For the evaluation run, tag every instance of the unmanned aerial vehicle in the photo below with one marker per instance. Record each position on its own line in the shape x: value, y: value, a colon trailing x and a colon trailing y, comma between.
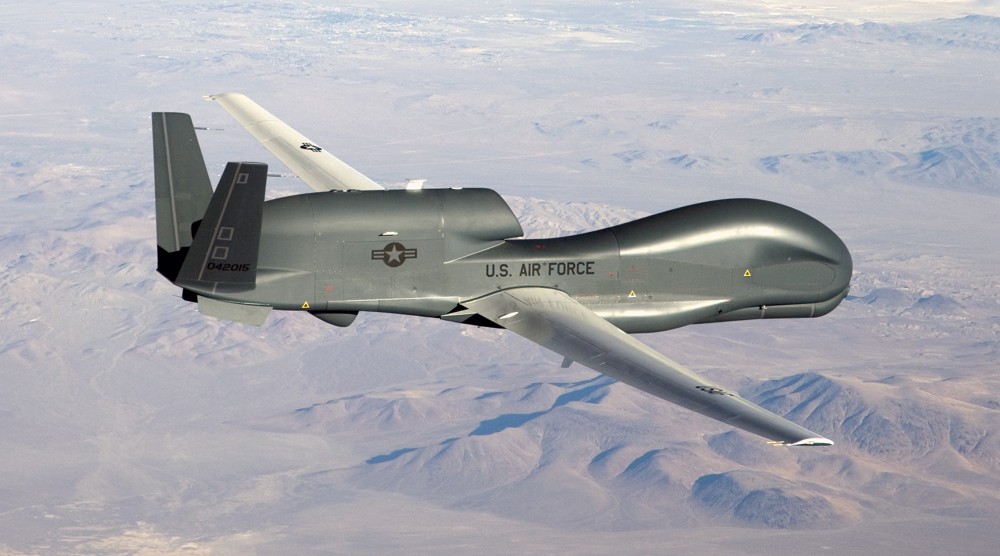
x: 453, y: 254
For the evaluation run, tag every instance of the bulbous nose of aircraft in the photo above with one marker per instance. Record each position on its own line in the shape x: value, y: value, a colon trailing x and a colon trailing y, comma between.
x: 781, y: 255
x: 802, y: 261
x: 798, y: 267
x: 842, y: 264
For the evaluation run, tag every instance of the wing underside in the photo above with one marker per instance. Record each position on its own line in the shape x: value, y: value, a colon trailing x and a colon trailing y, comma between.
x: 319, y: 169
x: 553, y: 320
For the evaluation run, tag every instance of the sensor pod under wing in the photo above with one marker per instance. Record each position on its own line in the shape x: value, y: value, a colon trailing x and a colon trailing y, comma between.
x: 453, y: 254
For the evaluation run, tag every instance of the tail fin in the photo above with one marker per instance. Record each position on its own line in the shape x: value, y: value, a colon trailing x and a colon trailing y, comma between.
x: 183, y: 189
x: 223, y: 254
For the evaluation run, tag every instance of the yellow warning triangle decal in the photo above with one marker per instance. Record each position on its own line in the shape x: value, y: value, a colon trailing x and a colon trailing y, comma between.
x: 305, y: 305
x: 631, y: 294
x: 747, y: 273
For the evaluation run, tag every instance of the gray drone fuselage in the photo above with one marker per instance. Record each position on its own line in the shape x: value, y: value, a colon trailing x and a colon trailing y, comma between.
x: 454, y: 254
x: 722, y: 260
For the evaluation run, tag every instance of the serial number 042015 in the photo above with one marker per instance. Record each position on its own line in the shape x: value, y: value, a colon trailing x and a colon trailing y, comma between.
x: 578, y: 268
x: 228, y: 267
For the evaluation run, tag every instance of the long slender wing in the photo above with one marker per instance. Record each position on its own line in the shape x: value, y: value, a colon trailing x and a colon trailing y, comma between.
x: 553, y: 320
x: 319, y: 169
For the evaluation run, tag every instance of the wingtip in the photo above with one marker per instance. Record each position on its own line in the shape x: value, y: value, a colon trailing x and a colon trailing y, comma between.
x: 818, y: 441
x: 220, y: 95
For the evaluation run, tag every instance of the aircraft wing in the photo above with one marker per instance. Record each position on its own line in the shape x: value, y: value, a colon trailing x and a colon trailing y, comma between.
x: 319, y: 169
x: 553, y: 320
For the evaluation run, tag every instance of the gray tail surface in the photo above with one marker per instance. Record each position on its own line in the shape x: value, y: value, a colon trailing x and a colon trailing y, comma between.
x: 183, y: 189
x: 223, y: 254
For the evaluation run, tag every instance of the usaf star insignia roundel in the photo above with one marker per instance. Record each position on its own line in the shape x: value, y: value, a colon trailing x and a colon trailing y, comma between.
x: 394, y: 254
